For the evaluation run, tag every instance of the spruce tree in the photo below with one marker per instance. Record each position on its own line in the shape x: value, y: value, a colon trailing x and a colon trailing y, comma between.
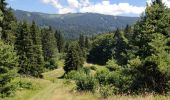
x: 73, y: 60
x: 120, y: 47
x: 24, y: 47
x: 8, y: 67
x: 60, y: 41
x: 3, y: 5
x: 128, y: 32
x: 150, y: 46
x: 87, y: 43
x: 9, y: 24
x: 48, y: 44
x: 82, y: 41
x: 38, y: 62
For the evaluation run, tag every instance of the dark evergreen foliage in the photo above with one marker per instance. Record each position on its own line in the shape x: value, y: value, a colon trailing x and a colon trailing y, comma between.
x: 48, y: 44
x: 73, y: 60
x: 60, y: 41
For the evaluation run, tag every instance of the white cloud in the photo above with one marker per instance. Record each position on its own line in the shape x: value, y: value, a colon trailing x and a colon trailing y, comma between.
x: 105, y: 7
x: 66, y: 10
x: 54, y: 3
x: 73, y: 3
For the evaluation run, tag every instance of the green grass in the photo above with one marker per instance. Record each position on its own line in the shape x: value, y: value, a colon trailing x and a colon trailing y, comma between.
x: 53, y: 88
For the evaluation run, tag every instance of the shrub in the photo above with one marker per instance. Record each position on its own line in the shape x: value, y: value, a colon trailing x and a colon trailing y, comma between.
x: 76, y: 75
x: 107, y: 90
x: 112, y: 65
x: 101, y: 76
x: 25, y: 85
x: 52, y: 64
x: 86, y: 83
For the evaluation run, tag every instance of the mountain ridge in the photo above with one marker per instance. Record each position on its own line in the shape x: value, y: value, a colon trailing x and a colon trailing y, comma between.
x: 73, y: 24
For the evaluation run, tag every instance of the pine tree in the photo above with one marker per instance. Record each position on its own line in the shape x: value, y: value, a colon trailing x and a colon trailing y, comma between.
x: 48, y: 44
x: 128, y: 32
x: 150, y: 46
x: 9, y: 24
x: 24, y: 47
x: 120, y: 47
x: 8, y: 63
x: 3, y: 5
x: 8, y: 66
x: 73, y: 60
x: 81, y: 41
x: 37, y: 48
x: 60, y: 41
x: 87, y: 43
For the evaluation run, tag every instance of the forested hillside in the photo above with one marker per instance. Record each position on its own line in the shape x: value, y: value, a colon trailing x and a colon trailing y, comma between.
x: 73, y: 25
x: 38, y: 63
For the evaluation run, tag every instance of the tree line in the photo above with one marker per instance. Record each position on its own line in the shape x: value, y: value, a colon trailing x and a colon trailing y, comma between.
x: 137, y: 57
x: 25, y: 48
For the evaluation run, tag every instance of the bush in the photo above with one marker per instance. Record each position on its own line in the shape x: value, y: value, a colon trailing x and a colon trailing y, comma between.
x: 86, y: 83
x: 25, y: 85
x: 107, y: 90
x: 120, y: 80
x: 112, y: 65
x: 52, y: 64
x: 101, y: 76
x: 76, y: 75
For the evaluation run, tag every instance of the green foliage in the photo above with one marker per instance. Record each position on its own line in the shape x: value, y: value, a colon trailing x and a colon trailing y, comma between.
x: 60, y: 41
x: 52, y: 64
x: 106, y: 90
x: 74, y: 59
x: 119, y: 49
x: 150, y: 66
x: 74, y: 24
x: 38, y: 60
x: 101, y: 76
x: 49, y: 44
x: 9, y: 26
x: 24, y: 85
x: 8, y: 66
x: 112, y: 65
x: 75, y: 75
x: 29, y: 50
x: 101, y: 50
x: 86, y: 83
x: 81, y: 41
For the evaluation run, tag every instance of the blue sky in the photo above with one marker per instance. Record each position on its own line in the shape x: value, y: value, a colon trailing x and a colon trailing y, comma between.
x: 109, y: 7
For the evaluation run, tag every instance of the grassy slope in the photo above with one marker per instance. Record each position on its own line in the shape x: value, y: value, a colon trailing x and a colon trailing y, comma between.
x: 53, y: 88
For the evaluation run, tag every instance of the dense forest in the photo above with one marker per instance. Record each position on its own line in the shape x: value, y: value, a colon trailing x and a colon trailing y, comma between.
x: 74, y: 24
x: 134, y: 60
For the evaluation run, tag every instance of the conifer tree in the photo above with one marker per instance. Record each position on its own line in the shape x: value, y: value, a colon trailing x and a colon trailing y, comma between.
x: 8, y: 63
x: 73, y: 60
x: 120, y: 46
x: 9, y: 24
x: 8, y: 67
x: 24, y: 47
x: 81, y: 41
x: 87, y: 43
x: 37, y: 50
x: 60, y: 41
x: 150, y: 45
x: 128, y: 32
x: 48, y: 44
